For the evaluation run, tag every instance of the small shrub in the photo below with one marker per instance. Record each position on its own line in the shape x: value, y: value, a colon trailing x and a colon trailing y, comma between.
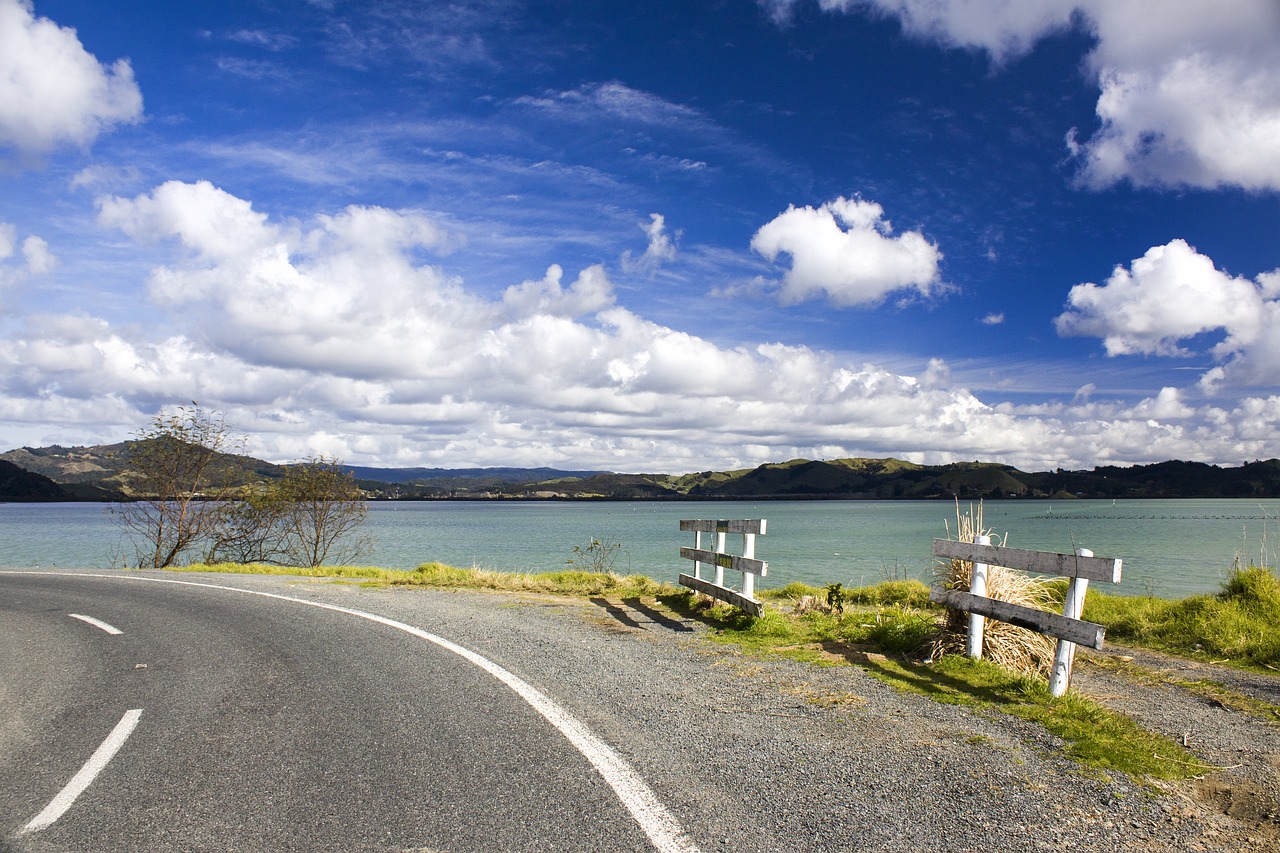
x: 836, y: 597
x: 597, y: 557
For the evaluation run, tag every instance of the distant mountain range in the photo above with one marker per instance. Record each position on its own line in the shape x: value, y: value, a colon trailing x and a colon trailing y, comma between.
x: 102, y: 473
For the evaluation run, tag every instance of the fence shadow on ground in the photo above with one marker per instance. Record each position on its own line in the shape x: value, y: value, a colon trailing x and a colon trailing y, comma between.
x: 634, y: 613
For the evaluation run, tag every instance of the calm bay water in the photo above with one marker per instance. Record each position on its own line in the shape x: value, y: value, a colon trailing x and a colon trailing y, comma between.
x: 1169, y: 547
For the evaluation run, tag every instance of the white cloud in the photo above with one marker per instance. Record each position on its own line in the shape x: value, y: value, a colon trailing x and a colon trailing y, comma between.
x: 661, y: 248
x: 334, y: 334
x: 591, y: 292
x: 844, y: 249
x: 617, y: 101
x: 52, y: 91
x: 1004, y: 28
x: 1190, y: 89
x: 36, y: 252
x: 212, y: 223
x: 1173, y: 294
x: 36, y: 257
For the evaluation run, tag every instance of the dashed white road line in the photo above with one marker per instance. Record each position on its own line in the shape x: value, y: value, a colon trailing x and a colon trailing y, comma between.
x: 103, y: 754
x: 97, y: 623
x: 659, y: 824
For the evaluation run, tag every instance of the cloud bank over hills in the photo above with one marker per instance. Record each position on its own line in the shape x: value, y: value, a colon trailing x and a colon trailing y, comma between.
x: 400, y: 250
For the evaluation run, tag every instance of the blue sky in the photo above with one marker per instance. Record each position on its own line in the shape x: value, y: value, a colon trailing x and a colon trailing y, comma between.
x: 670, y: 236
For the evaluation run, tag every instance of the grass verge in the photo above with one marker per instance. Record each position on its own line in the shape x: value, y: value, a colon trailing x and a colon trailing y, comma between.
x: 440, y: 576
x: 1236, y: 627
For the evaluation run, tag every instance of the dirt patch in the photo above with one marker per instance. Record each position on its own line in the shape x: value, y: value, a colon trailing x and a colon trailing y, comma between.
x: 1243, y: 801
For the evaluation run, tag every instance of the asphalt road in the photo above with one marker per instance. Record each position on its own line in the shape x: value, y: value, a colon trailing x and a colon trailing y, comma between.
x: 267, y: 724
x: 285, y: 714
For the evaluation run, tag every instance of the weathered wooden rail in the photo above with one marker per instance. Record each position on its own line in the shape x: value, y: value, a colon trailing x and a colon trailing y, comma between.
x: 1069, y: 628
x: 720, y: 560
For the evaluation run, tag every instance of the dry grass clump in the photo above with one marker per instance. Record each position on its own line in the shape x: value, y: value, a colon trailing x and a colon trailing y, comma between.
x: 806, y: 604
x: 1009, y: 646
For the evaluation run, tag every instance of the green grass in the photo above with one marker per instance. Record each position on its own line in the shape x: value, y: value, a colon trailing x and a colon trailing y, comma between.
x: 1237, y: 626
x: 908, y: 593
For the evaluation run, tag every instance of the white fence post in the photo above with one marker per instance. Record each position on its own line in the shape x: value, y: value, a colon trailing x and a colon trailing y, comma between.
x: 978, y: 586
x: 697, y: 545
x: 720, y: 537
x: 1064, y: 655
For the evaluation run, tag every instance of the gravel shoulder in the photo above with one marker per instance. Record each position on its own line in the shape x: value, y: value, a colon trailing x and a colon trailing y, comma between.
x: 1227, y: 717
x: 764, y: 755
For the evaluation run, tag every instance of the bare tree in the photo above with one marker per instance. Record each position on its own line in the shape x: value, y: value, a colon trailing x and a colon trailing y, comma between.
x: 251, y: 529
x: 324, y: 506
x: 176, y: 505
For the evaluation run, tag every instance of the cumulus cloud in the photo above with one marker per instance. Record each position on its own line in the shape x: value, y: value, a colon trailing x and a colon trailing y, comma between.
x: 37, y: 259
x: 53, y: 91
x: 336, y: 333
x: 1189, y: 92
x: 1172, y: 295
x: 661, y: 248
x: 591, y: 292
x: 36, y: 252
x: 845, y: 250
x: 342, y: 295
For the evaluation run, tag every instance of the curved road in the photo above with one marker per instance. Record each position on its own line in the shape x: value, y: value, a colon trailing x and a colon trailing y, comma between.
x: 268, y: 724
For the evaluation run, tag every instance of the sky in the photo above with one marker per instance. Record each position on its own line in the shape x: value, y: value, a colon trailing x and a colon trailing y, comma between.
x: 672, y: 236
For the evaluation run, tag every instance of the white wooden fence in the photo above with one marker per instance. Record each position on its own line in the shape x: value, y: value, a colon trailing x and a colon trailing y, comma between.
x: 1080, y: 568
x: 720, y: 559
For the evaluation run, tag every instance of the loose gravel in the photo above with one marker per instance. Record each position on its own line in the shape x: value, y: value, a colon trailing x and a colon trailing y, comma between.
x: 771, y: 755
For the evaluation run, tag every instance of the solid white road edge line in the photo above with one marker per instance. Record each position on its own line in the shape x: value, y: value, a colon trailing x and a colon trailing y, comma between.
x: 662, y: 827
x: 97, y: 623
x: 87, y: 774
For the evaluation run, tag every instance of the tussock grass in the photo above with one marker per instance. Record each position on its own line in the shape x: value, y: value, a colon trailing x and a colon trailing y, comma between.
x: 1237, y: 626
x: 1018, y: 649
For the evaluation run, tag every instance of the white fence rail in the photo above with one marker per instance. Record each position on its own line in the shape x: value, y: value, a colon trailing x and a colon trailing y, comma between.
x: 1069, y: 628
x: 719, y: 559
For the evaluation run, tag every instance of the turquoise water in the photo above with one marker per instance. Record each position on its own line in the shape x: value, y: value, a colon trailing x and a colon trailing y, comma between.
x: 1169, y: 547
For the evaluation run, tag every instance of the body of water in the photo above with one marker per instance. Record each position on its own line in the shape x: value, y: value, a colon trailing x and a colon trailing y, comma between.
x: 1170, y: 547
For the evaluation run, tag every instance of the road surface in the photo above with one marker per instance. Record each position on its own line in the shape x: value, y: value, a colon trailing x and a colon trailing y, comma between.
x: 266, y: 724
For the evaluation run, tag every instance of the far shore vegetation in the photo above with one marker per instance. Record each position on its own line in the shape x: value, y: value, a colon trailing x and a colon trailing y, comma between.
x: 891, y: 630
